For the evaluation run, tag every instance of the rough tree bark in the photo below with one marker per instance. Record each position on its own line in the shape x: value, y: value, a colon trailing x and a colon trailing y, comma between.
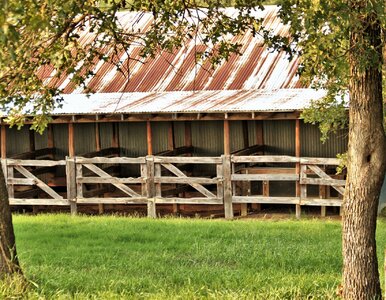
x: 366, y: 160
x: 9, y: 263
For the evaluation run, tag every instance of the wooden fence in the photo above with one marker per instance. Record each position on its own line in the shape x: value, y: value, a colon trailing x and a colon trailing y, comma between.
x: 231, y: 183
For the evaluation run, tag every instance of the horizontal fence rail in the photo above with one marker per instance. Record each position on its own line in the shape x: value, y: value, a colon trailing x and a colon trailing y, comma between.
x: 173, y: 180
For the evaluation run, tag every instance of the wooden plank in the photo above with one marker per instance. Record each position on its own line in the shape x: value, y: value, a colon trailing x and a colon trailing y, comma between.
x: 110, y: 160
x: 319, y: 161
x: 71, y: 146
x: 39, y: 183
x: 31, y: 140
x: 106, y: 152
x: 112, y: 180
x: 259, y: 133
x: 245, y: 134
x: 10, y: 175
x: 97, y: 137
x: 157, y: 175
x: 262, y: 177
x: 149, y: 138
x: 117, y: 200
x: 195, y: 200
x: 185, y: 180
x: 21, y: 181
x: 265, y: 159
x: 40, y: 201
x: 197, y: 186
x: 265, y: 200
x: 322, y: 195
x: 318, y: 171
x: 258, y: 170
x: 151, y: 206
x: 50, y: 136
x: 220, y: 185
x: 35, y: 163
x: 71, y: 184
x: 323, y: 181
x: 188, y: 134
x: 320, y: 202
x: 299, y: 189
x: 187, y: 160
x: 120, y: 186
x: 171, y: 143
x: 3, y: 141
x: 228, y: 206
x: 227, y: 147
x: 115, y: 135
x: 303, y: 187
x: 79, y: 185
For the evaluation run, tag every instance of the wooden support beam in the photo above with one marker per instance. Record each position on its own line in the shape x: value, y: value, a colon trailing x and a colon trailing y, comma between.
x: 297, y: 154
x: 171, y: 143
x: 71, y: 146
x: 245, y: 134
x: 115, y: 140
x: 149, y: 138
x: 188, y: 133
x: 228, y: 206
x: 71, y: 184
x: 50, y: 136
x: 101, y: 208
x: 3, y: 141
x: 31, y: 140
x: 227, y: 147
x: 150, y: 187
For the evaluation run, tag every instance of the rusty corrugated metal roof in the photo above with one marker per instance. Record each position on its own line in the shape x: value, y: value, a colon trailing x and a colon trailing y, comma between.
x: 257, y: 68
x: 189, y: 101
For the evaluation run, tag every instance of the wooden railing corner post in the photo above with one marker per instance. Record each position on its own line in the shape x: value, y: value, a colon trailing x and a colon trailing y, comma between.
x: 227, y: 175
x: 71, y: 184
x: 151, y: 206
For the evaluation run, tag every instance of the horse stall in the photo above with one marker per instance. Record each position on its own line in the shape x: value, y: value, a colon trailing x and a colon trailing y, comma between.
x: 205, y: 163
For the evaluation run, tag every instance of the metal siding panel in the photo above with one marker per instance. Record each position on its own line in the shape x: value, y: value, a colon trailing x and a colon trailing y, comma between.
x: 159, y: 136
x: 132, y: 138
x: 236, y: 135
x: 106, y: 134
x: 207, y: 138
x: 41, y: 140
x: 17, y: 140
x: 61, y: 140
x: 279, y: 137
x: 312, y: 146
x: 84, y: 138
x: 179, y: 134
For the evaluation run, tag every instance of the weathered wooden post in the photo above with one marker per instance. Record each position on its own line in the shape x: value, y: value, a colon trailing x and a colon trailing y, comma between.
x: 150, y: 187
x: 71, y: 184
x: 297, y: 154
x: 228, y: 207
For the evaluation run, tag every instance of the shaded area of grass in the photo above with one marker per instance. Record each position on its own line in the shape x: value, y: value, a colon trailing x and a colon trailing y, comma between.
x: 116, y: 257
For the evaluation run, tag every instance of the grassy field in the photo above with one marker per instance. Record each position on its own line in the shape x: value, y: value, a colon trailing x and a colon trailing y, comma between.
x: 131, y: 258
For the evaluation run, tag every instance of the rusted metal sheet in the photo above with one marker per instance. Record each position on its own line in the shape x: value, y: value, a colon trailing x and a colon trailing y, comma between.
x: 257, y: 68
x: 189, y: 102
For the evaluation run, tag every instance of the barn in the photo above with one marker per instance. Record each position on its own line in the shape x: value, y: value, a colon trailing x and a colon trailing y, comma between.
x: 175, y: 137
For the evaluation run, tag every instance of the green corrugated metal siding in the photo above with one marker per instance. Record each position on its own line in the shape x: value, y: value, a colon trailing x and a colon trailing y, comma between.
x: 279, y: 137
x: 84, y: 138
x: 236, y: 135
x: 61, y: 140
x: 106, y: 134
x: 179, y: 134
x: 311, y: 146
x: 17, y: 140
x: 159, y: 136
x: 132, y: 137
x: 207, y: 138
x: 41, y: 140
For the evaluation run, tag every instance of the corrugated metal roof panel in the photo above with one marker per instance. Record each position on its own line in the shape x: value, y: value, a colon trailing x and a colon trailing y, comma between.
x: 257, y: 68
x: 188, y: 102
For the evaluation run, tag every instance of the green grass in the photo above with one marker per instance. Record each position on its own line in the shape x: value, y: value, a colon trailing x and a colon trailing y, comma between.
x: 120, y: 258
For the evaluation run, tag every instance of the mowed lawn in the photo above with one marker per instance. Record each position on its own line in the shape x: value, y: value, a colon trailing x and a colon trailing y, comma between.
x: 112, y: 257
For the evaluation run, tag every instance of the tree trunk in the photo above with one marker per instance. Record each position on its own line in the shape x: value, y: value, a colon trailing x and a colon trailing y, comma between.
x: 366, y: 158
x: 9, y: 263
